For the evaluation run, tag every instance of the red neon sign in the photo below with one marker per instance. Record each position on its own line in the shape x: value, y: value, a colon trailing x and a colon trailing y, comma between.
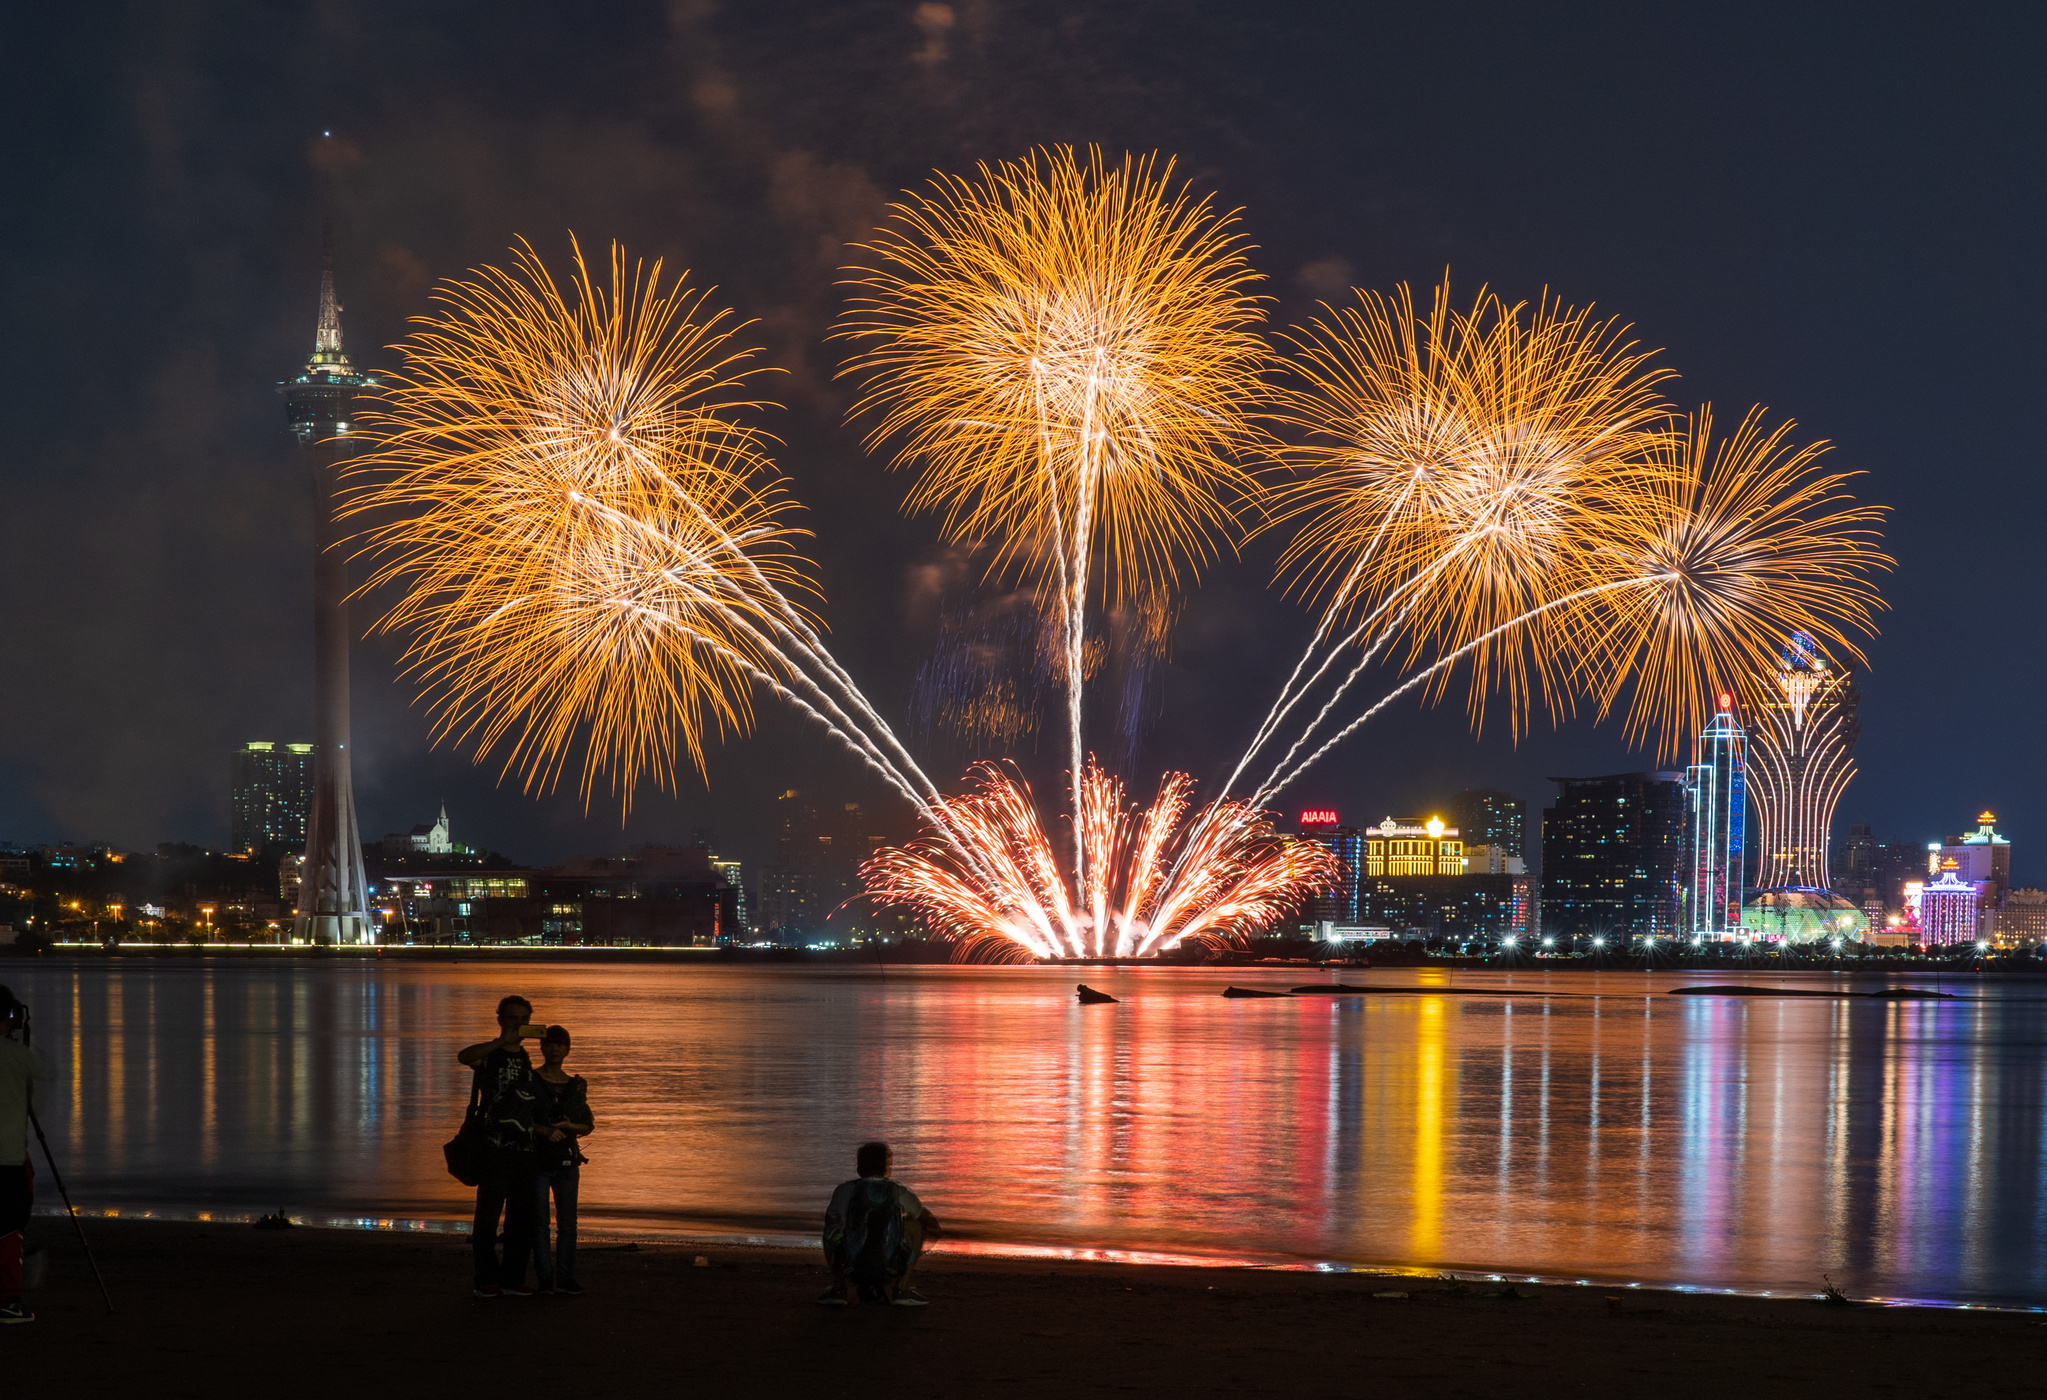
x: 1319, y: 816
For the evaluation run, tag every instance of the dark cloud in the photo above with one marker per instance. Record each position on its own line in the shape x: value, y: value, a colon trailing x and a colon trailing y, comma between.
x: 1836, y: 222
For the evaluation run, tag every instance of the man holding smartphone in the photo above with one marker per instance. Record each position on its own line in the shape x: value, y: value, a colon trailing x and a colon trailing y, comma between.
x: 504, y: 1080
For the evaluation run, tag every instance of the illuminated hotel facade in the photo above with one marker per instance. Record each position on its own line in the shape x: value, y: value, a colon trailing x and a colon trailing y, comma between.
x: 1950, y: 908
x: 1800, y: 760
x: 1413, y: 846
x: 1716, y: 804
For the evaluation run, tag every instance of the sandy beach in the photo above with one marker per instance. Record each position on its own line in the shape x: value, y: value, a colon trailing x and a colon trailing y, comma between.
x: 226, y: 1310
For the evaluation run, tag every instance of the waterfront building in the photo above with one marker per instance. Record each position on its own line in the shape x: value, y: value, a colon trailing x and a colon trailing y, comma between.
x: 2022, y: 918
x: 1874, y: 872
x: 1490, y: 817
x: 1803, y: 915
x: 1612, y: 855
x: 1980, y: 855
x: 433, y: 838
x: 1493, y: 860
x: 334, y: 902
x: 1446, y: 906
x: 1951, y: 909
x: 818, y: 854
x: 1413, y: 846
x: 1800, y: 760
x: 729, y: 878
x: 1715, y: 810
x: 1422, y: 881
x: 658, y: 897
x: 1337, y: 904
x: 270, y: 794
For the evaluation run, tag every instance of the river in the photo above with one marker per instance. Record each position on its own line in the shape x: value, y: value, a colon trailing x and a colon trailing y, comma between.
x: 1585, y: 1126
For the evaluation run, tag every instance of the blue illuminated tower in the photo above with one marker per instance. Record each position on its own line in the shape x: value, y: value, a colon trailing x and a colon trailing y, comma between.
x: 1715, y: 799
x: 319, y: 404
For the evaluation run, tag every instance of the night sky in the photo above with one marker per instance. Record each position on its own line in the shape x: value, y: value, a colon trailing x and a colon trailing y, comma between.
x: 1833, y: 211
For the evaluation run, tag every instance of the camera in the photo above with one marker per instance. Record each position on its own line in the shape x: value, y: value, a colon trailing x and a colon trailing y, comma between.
x: 13, y: 1014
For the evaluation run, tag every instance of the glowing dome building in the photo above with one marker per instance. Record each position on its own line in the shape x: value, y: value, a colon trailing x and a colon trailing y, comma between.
x: 1803, y: 915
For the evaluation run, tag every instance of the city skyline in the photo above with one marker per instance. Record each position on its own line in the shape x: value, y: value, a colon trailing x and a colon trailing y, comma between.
x: 79, y: 771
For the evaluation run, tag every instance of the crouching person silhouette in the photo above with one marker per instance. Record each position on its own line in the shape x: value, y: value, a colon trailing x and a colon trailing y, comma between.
x: 874, y: 1234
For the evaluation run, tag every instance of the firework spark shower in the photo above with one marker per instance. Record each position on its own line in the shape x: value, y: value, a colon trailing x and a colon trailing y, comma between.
x: 592, y: 549
x: 1065, y: 350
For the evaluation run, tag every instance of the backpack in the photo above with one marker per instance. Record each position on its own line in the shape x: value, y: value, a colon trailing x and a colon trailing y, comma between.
x: 874, y: 1233
x: 469, y: 1150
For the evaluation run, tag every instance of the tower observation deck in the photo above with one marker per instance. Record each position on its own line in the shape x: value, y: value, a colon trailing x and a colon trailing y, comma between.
x: 319, y: 405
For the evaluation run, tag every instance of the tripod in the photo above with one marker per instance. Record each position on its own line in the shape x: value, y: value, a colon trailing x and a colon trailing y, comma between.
x: 70, y: 1209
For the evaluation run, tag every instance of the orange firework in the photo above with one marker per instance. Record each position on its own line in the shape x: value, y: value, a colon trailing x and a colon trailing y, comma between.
x: 1736, y: 546
x: 987, y: 876
x: 1065, y: 348
x: 590, y: 541
x: 1458, y: 466
x: 1745, y: 542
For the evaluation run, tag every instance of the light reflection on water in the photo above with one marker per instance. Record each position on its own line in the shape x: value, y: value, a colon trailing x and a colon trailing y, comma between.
x: 1754, y: 1143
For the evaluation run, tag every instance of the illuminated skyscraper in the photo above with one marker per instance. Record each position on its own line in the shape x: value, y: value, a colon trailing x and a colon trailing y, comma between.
x: 320, y: 406
x: 1613, y: 856
x: 1338, y: 904
x: 1715, y: 807
x: 1800, y: 760
x: 270, y: 790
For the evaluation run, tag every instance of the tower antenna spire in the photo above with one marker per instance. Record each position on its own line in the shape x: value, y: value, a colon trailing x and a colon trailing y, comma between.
x: 327, y: 332
x: 327, y: 335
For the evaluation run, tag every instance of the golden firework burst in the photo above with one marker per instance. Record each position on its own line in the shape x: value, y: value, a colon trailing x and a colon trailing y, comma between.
x: 1065, y: 348
x: 1456, y: 469
x: 588, y: 538
x: 1745, y: 541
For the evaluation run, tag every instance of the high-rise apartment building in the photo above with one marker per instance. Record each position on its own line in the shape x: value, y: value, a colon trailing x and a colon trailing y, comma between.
x: 819, y: 850
x: 1716, y: 806
x: 1800, y: 760
x: 1490, y: 817
x: 1612, y: 855
x: 270, y: 793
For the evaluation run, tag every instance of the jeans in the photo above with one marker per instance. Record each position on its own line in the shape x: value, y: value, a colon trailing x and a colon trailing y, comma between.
x: 507, y: 1186
x: 558, y: 1264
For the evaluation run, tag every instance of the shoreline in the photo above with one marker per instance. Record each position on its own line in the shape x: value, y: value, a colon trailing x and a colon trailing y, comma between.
x: 223, y: 1309
x: 919, y: 956
x: 51, y: 1219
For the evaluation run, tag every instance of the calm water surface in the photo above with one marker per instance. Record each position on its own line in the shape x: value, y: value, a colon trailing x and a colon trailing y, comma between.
x: 1584, y: 1126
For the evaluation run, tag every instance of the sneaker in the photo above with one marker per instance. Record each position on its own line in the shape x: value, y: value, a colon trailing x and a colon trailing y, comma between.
x: 14, y: 1311
x: 833, y: 1297
x: 546, y: 1285
x: 909, y: 1298
x: 517, y: 1290
x: 489, y: 1290
x: 570, y: 1288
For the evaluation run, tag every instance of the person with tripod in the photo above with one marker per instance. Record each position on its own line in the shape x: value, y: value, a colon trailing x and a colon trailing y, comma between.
x: 21, y: 1093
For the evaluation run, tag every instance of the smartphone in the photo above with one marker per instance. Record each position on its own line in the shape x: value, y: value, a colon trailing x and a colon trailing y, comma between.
x: 532, y: 1032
